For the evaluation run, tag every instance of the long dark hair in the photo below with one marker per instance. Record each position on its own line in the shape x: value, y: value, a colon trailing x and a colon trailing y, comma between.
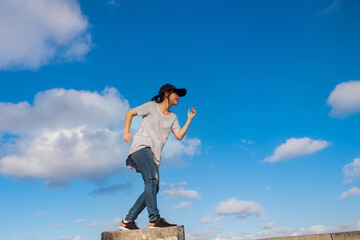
x: 160, y: 97
x: 163, y: 90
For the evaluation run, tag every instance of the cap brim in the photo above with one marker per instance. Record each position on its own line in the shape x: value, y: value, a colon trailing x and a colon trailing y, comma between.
x: 181, y: 91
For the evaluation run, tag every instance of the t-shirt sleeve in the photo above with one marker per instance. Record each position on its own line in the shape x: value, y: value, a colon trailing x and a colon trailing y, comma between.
x: 144, y: 109
x: 175, y: 123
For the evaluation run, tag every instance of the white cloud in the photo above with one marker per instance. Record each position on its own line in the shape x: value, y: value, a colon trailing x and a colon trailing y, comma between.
x: 79, y: 221
x: 68, y: 238
x: 345, y: 99
x: 240, y: 209
x: 59, y: 108
x: 64, y: 238
x: 295, y: 147
x: 334, y: 5
x: 350, y: 192
x: 85, y: 152
x: 174, y: 148
x: 183, y: 205
x: 211, y: 218
x: 246, y: 141
x: 69, y: 134
x: 94, y: 224
x: 55, y: 225
x: 281, y: 231
x: 204, y: 235
x: 236, y: 208
x: 270, y: 224
x: 112, y: 3
x: 33, y: 33
x: 179, y: 191
x: 352, y: 170
x: 116, y: 221
x: 43, y: 214
x: 107, y: 225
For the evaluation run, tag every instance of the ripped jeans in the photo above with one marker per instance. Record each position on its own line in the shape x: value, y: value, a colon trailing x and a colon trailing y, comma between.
x: 145, y: 163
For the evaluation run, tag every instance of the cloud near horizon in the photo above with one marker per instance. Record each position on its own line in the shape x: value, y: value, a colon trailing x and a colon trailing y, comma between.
x: 295, y: 147
x: 68, y: 134
x: 34, y: 33
x: 280, y: 231
x: 344, y: 100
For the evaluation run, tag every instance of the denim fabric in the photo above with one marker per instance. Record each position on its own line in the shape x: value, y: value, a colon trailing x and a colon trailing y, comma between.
x: 145, y: 163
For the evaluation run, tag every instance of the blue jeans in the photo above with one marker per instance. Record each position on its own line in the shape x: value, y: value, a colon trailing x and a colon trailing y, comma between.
x: 145, y: 163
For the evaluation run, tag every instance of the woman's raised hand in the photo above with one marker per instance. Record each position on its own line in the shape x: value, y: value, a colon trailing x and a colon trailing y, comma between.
x: 127, y: 137
x: 192, y: 113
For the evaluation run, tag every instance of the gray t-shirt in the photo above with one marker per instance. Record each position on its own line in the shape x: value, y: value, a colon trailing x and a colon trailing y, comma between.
x: 154, y: 131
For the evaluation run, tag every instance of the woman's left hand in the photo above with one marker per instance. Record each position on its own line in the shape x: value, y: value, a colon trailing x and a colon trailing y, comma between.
x: 191, y: 114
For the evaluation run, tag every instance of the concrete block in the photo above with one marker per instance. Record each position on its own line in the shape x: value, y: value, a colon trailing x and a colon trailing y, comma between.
x: 346, y: 236
x: 169, y: 233
x: 329, y: 236
x: 306, y: 237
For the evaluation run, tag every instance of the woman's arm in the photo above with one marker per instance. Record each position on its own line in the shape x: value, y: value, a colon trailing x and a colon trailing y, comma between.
x: 128, y: 118
x: 180, y: 133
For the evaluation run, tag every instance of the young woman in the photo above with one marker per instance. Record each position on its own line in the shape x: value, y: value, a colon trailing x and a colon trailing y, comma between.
x: 146, y: 147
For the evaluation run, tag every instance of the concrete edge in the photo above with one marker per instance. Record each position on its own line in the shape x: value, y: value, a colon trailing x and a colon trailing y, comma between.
x: 331, y: 235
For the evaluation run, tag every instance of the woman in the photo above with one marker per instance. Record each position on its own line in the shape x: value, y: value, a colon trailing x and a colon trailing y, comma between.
x: 146, y: 147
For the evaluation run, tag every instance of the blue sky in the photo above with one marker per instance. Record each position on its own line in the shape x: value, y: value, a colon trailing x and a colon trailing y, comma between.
x: 273, y: 149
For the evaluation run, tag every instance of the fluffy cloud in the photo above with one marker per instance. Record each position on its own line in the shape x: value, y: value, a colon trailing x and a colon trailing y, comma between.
x: 174, y: 148
x: 295, y: 147
x: 345, y: 99
x: 84, y: 153
x: 68, y: 134
x: 179, y: 191
x: 352, y: 191
x: 35, y: 32
x: 352, y: 170
x: 183, y: 205
x: 240, y: 209
x: 236, y: 208
x: 64, y: 109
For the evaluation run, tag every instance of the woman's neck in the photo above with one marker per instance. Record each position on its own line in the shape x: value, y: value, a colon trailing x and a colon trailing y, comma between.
x: 164, y: 107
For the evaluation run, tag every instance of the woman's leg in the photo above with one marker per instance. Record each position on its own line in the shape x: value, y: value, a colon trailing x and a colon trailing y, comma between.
x: 150, y: 173
x: 136, y: 209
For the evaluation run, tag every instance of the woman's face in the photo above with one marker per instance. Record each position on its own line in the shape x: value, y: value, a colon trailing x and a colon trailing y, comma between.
x: 174, y: 98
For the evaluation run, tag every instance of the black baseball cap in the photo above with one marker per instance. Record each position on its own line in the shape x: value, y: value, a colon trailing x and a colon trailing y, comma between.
x: 168, y: 87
